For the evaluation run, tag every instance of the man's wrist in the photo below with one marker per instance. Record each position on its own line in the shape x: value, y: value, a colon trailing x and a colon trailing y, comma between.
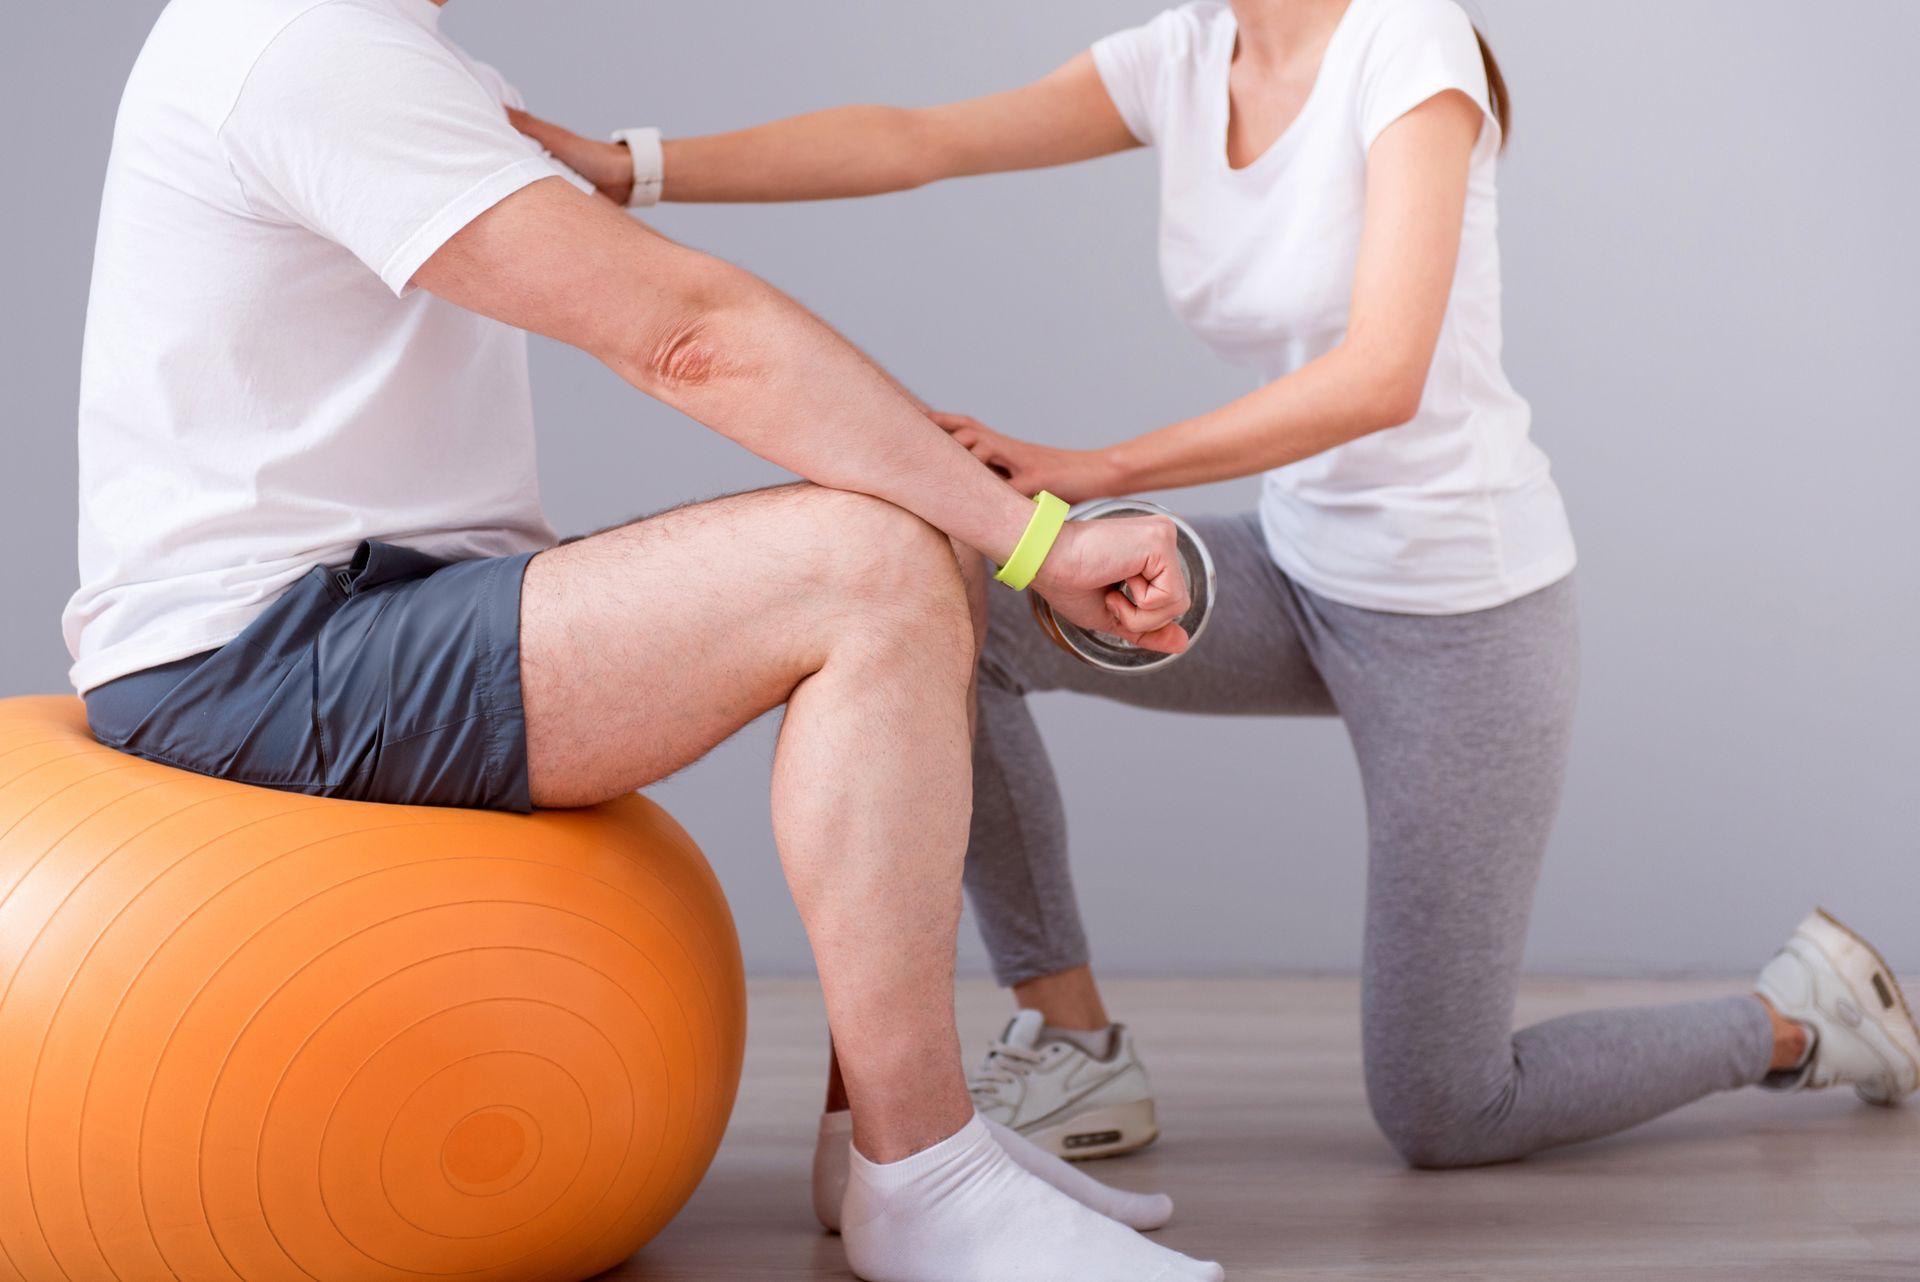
x: 1043, y: 527
x: 1007, y: 515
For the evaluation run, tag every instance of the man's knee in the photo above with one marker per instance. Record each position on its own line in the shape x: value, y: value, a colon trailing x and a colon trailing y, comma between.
x: 888, y: 567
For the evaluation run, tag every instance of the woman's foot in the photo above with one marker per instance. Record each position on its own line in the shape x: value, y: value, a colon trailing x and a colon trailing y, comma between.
x: 1864, y: 1035
x: 833, y: 1156
x: 1078, y: 1095
x: 965, y: 1211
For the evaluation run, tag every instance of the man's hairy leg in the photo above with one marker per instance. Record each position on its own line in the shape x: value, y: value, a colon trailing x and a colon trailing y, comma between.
x: 645, y: 646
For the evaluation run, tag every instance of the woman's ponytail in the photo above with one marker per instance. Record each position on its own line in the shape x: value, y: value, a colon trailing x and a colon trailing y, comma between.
x: 1496, y: 90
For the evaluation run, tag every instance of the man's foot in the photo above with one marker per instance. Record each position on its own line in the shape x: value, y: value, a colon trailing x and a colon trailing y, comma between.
x: 965, y: 1211
x: 1864, y: 1035
x: 833, y: 1156
x: 1068, y: 1093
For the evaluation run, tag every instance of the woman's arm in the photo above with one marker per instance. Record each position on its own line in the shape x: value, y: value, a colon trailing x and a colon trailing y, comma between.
x: 863, y: 151
x: 1416, y: 201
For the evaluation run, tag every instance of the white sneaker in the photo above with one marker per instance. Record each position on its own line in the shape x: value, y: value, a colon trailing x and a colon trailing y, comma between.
x: 1864, y: 1034
x: 1061, y: 1097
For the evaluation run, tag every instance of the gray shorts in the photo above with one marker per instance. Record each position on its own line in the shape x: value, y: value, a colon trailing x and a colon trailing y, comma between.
x: 395, y: 678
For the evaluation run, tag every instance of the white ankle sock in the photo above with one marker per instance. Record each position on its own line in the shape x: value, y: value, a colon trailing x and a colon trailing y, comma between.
x: 833, y: 1154
x: 1097, y: 1042
x: 1142, y: 1211
x: 964, y: 1211
x: 832, y: 1157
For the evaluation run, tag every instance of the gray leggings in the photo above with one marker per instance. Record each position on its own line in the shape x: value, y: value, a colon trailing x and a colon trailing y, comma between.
x: 1461, y: 727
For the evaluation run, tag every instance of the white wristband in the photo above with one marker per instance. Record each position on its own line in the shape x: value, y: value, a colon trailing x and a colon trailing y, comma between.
x: 649, y: 165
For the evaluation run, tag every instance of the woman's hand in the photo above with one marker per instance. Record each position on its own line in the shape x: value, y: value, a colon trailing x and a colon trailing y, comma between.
x: 607, y: 165
x: 1073, y: 475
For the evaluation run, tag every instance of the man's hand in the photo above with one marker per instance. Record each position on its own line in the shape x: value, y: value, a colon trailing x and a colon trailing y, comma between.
x: 1074, y: 475
x: 607, y: 165
x: 1121, y: 576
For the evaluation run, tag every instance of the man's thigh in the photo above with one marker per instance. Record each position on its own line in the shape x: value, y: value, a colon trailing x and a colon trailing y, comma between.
x: 644, y: 646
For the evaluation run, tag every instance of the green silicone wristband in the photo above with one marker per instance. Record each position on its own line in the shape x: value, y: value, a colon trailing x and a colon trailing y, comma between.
x: 1049, y: 514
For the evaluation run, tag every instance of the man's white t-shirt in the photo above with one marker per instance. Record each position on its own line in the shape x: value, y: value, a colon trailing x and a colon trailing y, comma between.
x: 261, y: 388
x: 1451, y: 512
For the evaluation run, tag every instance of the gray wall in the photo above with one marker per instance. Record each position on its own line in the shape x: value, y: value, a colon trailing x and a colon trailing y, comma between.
x: 1711, y: 272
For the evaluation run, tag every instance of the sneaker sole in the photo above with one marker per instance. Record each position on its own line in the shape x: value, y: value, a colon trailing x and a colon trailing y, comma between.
x: 1881, y: 993
x: 1107, y: 1131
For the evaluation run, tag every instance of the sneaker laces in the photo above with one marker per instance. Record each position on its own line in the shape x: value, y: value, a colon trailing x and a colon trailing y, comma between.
x: 1005, y: 1068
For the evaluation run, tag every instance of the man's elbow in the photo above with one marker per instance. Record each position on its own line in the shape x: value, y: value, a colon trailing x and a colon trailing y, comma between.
x: 698, y: 342
x: 687, y: 355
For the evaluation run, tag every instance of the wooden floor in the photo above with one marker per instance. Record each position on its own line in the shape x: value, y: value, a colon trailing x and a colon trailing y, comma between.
x: 1268, y: 1150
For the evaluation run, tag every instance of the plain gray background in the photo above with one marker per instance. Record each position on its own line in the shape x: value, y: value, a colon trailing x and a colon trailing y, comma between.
x: 1711, y: 272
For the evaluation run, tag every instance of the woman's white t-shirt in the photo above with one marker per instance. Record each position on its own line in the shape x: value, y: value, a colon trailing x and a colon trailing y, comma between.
x: 1452, y: 511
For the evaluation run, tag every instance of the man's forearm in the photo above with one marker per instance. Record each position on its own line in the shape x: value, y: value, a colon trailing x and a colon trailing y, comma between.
x: 762, y: 370
x: 878, y: 368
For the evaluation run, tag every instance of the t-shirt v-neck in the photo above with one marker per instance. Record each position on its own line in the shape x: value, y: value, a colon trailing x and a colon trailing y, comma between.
x: 1282, y: 142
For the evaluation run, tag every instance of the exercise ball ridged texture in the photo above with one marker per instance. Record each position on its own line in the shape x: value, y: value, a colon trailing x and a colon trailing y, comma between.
x: 252, y: 1034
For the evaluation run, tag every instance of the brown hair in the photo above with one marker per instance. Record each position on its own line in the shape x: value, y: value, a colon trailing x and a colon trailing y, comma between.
x: 1497, y: 97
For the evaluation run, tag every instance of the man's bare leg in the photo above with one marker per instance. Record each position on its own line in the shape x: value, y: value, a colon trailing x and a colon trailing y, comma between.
x: 831, y: 1159
x: 645, y: 646
x: 973, y: 572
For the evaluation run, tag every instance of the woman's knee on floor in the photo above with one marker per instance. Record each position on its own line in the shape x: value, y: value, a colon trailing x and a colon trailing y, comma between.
x: 1436, y: 1118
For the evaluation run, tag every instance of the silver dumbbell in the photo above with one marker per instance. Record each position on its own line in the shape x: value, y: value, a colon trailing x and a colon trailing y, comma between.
x: 1104, y: 650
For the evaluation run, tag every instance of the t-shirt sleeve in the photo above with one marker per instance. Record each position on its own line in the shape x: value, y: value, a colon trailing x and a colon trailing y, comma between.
x: 1134, y: 65
x: 1421, y: 49
x: 366, y: 130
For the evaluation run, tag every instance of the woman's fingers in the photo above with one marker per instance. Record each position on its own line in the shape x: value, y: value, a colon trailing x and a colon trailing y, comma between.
x: 956, y: 424
x: 990, y: 448
x: 1009, y: 470
x: 968, y: 432
x: 986, y: 445
x: 990, y: 453
x: 546, y: 134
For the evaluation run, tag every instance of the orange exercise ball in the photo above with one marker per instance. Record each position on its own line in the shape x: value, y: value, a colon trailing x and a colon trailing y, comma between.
x: 252, y: 1034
